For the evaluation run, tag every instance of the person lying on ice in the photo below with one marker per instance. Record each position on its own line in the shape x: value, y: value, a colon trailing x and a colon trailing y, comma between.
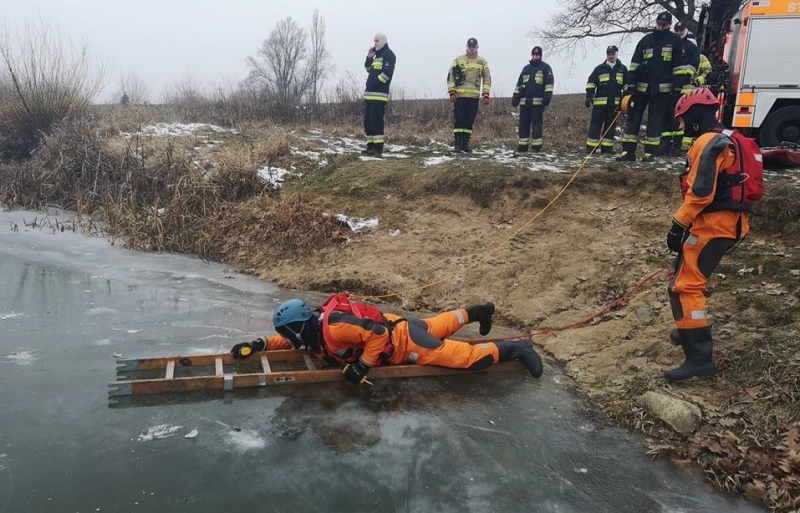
x: 358, y: 336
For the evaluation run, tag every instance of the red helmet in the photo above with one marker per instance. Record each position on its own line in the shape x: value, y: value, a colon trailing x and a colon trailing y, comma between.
x: 699, y: 96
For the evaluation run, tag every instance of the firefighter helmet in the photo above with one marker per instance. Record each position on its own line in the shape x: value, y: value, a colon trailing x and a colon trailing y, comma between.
x: 699, y: 96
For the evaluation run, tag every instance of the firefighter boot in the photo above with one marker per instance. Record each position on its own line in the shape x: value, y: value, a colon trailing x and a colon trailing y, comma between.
x: 523, y: 351
x: 675, y: 337
x: 698, y: 347
x: 607, y: 150
x: 457, y: 142
x: 369, y: 149
x: 483, y: 314
x: 465, y: 143
x: 522, y: 148
x: 627, y: 156
x: 377, y: 150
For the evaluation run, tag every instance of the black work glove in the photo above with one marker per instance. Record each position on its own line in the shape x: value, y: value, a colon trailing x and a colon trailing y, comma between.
x: 546, y: 103
x: 356, y: 373
x: 675, y: 237
x: 245, y: 349
x: 588, y: 102
x: 514, y: 103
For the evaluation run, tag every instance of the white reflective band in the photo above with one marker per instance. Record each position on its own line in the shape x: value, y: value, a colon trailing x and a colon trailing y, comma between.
x: 412, y: 357
x: 698, y: 315
x: 460, y: 317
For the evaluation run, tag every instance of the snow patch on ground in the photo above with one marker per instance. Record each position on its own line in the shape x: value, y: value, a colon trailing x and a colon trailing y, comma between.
x: 273, y: 175
x: 159, y: 432
x: 357, y: 224
x: 12, y: 315
x: 245, y: 440
x: 178, y: 130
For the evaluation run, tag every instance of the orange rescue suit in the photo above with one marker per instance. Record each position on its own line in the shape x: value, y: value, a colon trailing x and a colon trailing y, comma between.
x: 417, y: 341
x: 710, y: 234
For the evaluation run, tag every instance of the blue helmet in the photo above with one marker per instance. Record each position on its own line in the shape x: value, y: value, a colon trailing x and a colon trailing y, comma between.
x: 294, y: 310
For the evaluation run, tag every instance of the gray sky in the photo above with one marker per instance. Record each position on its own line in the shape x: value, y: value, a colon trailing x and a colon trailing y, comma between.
x: 166, y: 41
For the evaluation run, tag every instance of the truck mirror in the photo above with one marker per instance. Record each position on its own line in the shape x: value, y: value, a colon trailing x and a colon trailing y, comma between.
x: 727, y: 26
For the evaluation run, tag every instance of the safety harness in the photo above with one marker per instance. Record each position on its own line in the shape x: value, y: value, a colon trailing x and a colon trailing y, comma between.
x: 740, y: 185
x: 341, y: 303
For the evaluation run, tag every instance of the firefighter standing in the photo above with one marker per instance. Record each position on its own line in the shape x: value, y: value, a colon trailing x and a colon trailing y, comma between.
x: 468, y: 79
x: 603, y: 93
x: 533, y: 93
x: 380, y: 63
x: 672, y: 135
x: 708, y: 224
x: 702, y: 76
x: 653, y: 75
x: 359, y: 344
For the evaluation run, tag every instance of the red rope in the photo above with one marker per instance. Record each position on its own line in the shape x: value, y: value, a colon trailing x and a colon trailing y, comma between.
x: 586, y: 320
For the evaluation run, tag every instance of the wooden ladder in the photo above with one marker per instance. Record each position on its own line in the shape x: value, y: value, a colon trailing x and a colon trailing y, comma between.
x: 208, y: 372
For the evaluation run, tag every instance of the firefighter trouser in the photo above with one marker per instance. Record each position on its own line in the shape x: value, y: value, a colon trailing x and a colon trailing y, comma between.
x: 425, y: 342
x: 464, y: 112
x: 531, y: 121
x: 373, y: 121
x: 671, y: 134
x: 603, y: 122
x: 656, y: 106
x: 710, y: 237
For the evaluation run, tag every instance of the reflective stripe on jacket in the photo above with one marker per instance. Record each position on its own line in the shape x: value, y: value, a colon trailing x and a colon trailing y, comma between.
x: 534, y: 85
x: 469, y: 76
x: 606, y: 84
x: 380, y: 69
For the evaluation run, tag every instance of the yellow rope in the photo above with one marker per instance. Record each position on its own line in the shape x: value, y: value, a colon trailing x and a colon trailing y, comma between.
x: 508, y: 239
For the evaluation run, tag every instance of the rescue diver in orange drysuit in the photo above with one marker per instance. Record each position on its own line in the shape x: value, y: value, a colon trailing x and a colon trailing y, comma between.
x: 362, y: 343
x: 705, y: 227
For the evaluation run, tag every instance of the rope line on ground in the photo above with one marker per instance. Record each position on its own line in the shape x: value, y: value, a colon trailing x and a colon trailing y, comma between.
x: 585, y: 320
x: 498, y: 246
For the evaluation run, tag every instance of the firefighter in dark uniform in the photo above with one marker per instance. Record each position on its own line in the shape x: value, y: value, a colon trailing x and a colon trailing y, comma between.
x: 533, y: 93
x: 603, y: 93
x: 359, y: 344
x: 468, y: 79
x: 672, y: 135
x: 380, y: 65
x: 653, y: 75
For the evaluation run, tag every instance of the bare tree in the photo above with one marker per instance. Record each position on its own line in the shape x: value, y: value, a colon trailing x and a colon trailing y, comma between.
x: 132, y: 86
x: 280, y: 64
x: 319, y: 65
x: 583, y: 22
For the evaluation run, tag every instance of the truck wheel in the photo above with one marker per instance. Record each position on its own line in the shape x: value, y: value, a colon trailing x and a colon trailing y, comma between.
x: 781, y: 125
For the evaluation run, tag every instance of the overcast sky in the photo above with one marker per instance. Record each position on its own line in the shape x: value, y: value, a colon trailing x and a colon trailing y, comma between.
x: 166, y: 41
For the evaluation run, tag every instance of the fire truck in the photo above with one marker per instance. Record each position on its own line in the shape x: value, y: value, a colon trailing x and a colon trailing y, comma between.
x: 755, y: 61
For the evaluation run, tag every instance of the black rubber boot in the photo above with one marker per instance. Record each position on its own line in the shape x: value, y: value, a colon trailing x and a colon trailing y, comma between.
x: 377, y: 150
x: 465, y: 143
x: 522, y: 148
x: 457, y: 142
x: 523, y: 351
x: 675, y: 337
x: 607, y: 150
x: 698, y: 347
x: 483, y: 314
x: 369, y: 149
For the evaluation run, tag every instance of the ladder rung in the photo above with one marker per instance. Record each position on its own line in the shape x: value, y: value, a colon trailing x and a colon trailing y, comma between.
x: 170, y: 370
x: 218, y: 366
x: 265, y: 365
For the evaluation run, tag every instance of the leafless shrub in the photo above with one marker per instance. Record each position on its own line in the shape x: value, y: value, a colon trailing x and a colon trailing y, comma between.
x: 44, y: 80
